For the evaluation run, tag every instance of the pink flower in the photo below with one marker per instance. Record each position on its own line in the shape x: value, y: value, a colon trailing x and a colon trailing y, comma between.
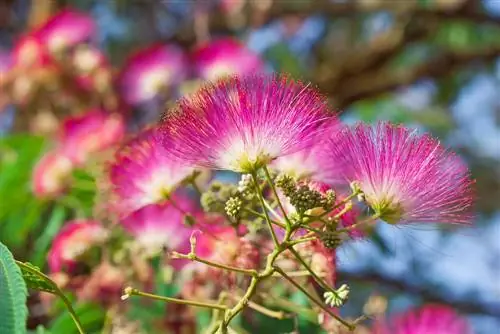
x: 406, y: 177
x: 72, y: 241
x: 241, y: 124
x: 159, y: 226
x: 105, y: 285
x: 150, y: 72
x: 51, y: 174
x: 226, y: 57
x: 66, y: 29
x: 430, y: 319
x: 30, y: 52
x: 90, y: 133
x: 144, y: 172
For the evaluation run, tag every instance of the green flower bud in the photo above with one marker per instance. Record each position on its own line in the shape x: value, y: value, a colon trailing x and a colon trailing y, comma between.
x: 233, y: 206
x: 330, y: 239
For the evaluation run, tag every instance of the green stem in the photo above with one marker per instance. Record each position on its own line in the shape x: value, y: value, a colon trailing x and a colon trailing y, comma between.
x: 273, y: 188
x: 134, y: 292
x: 318, y: 279
x: 266, y: 214
x: 58, y: 292
x: 348, y: 325
x: 194, y: 257
x: 260, y: 215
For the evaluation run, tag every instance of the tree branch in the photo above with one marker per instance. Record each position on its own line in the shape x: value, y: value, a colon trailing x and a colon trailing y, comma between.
x: 427, y: 294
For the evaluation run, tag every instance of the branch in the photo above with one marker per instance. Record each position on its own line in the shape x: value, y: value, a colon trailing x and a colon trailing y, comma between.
x: 371, y: 84
x: 427, y: 294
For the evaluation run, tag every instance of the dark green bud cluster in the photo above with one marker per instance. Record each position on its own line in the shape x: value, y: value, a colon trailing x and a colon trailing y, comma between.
x: 330, y: 239
x: 215, y: 198
x: 189, y: 220
x: 287, y: 184
x: 328, y: 200
x: 305, y: 198
x: 233, y: 206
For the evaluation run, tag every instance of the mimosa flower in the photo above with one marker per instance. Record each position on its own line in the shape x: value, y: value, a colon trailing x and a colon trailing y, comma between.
x: 226, y: 57
x: 90, y: 133
x: 405, y: 177
x: 150, y: 72
x: 241, y: 124
x: 66, y: 29
x: 72, y: 241
x: 144, y: 172
x: 159, y: 226
x: 51, y: 174
x: 429, y: 319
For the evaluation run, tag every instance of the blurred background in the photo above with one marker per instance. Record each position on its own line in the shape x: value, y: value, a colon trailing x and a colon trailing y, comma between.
x: 430, y: 64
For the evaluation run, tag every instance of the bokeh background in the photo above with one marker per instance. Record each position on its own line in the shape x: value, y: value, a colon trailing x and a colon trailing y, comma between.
x: 430, y: 64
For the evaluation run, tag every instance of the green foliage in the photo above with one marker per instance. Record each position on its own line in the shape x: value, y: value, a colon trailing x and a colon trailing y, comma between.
x: 13, y: 294
x: 91, y: 316
x: 36, y: 280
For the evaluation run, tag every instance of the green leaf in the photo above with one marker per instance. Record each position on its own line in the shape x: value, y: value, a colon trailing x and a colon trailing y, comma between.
x: 42, y: 243
x: 91, y: 317
x: 35, y: 279
x: 13, y: 294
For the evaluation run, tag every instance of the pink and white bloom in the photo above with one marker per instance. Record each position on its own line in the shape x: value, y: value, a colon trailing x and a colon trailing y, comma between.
x: 241, y: 124
x: 145, y: 172
x: 29, y: 51
x: 66, y: 29
x: 429, y: 319
x: 406, y: 177
x: 150, y: 72
x: 159, y: 226
x: 51, y: 174
x: 72, y: 241
x: 90, y: 133
x: 226, y: 57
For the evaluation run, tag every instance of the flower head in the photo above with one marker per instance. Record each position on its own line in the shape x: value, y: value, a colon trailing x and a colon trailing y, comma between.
x: 144, y: 172
x: 159, y: 226
x: 150, y: 72
x: 226, y: 57
x: 429, y: 319
x: 51, y: 174
x: 72, y: 241
x: 30, y: 52
x: 405, y: 177
x: 241, y: 124
x: 90, y: 133
x: 66, y: 29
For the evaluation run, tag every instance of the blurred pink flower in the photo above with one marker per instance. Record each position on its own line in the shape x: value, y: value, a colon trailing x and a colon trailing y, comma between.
x: 144, y: 172
x: 429, y: 319
x: 66, y: 29
x: 241, y: 124
x: 72, y: 241
x: 150, y: 72
x: 159, y: 226
x: 29, y: 52
x: 51, y: 174
x: 406, y: 177
x: 226, y: 57
x: 105, y: 285
x: 89, y: 133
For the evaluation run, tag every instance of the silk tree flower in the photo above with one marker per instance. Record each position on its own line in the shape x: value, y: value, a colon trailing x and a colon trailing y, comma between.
x: 29, y: 52
x: 429, y: 319
x: 226, y: 57
x: 150, y: 72
x: 159, y: 226
x: 51, y: 174
x: 144, y: 171
x: 72, y: 241
x: 91, y: 132
x: 405, y: 177
x: 242, y: 124
x: 66, y: 29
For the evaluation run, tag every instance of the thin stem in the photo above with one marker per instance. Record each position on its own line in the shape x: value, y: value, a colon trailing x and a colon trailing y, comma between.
x: 363, y: 222
x: 194, y: 257
x: 301, y: 240
x: 301, y: 273
x: 273, y: 188
x: 314, y: 300
x: 264, y: 310
x: 260, y: 215
x: 320, y: 281
x: 134, y: 292
x: 290, y: 306
x: 58, y: 292
x: 266, y: 214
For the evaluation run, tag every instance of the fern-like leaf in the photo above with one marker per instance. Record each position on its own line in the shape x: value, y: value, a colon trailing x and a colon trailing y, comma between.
x: 13, y: 294
x: 35, y: 279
